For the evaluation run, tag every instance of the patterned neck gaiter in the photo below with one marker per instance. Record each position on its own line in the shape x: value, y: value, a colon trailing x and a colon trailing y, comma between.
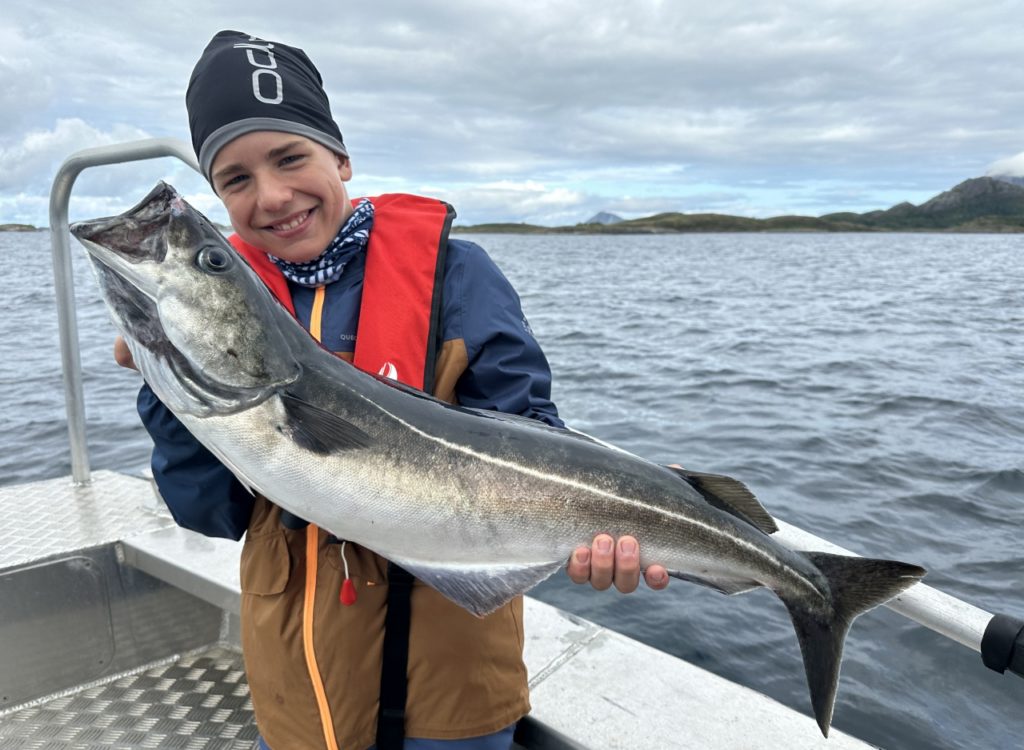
x: 328, y: 266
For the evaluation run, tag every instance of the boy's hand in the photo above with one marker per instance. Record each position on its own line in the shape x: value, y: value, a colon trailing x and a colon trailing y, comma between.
x: 123, y: 355
x: 606, y: 562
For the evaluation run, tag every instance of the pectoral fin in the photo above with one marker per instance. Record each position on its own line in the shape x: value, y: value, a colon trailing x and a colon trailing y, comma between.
x: 727, y: 586
x: 481, y: 590
x: 318, y: 430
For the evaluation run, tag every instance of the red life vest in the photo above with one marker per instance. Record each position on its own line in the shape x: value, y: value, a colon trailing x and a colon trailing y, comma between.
x: 400, y: 312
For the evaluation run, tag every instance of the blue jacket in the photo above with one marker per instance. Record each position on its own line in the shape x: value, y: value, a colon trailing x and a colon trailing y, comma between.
x: 507, y: 372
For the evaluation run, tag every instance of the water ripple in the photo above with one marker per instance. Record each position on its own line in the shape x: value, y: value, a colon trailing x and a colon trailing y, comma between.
x: 866, y: 387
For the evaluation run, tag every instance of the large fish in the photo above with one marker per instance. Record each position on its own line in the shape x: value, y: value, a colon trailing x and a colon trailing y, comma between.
x: 480, y: 505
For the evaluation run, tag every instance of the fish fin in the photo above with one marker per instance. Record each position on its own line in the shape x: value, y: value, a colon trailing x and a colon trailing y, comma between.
x: 728, y: 586
x: 318, y: 430
x: 482, y: 590
x: 856, y: 584
x: 730, y: 495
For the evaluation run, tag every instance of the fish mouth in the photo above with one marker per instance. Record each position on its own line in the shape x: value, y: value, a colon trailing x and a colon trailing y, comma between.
x: 115, y: 271
x: 147, y: 262
x: 120, y: 248
x: 122, y: 244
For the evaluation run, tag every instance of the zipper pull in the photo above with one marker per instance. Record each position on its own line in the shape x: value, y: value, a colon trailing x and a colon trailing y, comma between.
x: 347, y: 596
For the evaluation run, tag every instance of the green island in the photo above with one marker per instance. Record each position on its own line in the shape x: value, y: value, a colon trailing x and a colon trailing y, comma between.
x: 18, y: 228
x: 980, y: 204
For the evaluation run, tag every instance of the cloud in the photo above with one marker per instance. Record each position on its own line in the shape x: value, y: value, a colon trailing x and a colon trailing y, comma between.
x: 32, y: 162
x: 26, y: 88
x: 506, y: 200
x: 31, y: 165
x: 467, y: 94
x: 1011, y: 166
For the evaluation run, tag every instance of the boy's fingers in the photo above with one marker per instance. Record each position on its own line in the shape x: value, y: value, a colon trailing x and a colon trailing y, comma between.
x: 656, y: 577
x: 627, y: 565
x: 602, y: 562
x: 122, y: 354
x: 579, y: 565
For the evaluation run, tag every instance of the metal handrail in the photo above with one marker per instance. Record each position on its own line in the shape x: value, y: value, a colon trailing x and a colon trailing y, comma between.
x: 945, y: 614
x: 63, y: 277
x: 998, y: 638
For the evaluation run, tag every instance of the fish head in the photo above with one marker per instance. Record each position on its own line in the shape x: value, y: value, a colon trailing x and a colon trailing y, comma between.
x: 202, y: 327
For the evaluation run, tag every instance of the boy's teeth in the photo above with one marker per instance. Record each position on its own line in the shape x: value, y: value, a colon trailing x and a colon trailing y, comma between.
x: 293, y: 223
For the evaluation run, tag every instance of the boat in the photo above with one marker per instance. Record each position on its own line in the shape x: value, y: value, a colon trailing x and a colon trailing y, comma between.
x: 120, y: 629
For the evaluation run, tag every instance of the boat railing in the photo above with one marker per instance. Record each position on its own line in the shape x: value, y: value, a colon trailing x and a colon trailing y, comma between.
x: 63, y: 277
x: 998, y: 638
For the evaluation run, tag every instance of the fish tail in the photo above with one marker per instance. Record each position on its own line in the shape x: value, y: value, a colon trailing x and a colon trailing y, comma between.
x: 856, y: 585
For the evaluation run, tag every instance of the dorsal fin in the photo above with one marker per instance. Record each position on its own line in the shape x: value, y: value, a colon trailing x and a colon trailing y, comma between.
x: 730, y: 495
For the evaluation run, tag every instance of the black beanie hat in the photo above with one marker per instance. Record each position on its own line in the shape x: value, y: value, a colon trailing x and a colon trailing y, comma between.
x: 242, y: 84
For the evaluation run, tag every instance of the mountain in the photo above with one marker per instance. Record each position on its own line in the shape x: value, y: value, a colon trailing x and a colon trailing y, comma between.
x: 980, y: 204
x: 1009, y: 178
x: 603, y: 217
x: 977, y: 204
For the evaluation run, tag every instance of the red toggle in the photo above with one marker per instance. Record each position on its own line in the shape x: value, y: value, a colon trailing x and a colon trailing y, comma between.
x: 348, y: 593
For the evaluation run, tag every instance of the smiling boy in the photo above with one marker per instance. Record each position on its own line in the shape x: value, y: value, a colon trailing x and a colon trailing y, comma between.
x: 284, y: 193
x: 343, y: 649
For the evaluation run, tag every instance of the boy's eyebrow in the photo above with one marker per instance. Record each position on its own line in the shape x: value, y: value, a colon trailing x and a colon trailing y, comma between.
x: 228, y: 170
x: 283, y: 148
x: 274, y: 153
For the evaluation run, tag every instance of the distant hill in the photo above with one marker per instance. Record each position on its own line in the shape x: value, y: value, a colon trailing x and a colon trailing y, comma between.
x: 18, y: 228
x: 1009, y: 178
x: 505, y: 228
x: 603, y: 217
x: 980, y: 204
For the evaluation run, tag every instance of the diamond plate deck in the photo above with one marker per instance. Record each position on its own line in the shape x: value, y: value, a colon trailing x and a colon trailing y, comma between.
x: 52, y: 517
x: 199, y: 702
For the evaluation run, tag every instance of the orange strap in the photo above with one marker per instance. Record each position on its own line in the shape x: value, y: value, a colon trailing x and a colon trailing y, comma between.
x: 316, y: 315
x: 312, y: 557
x: 312, y: 563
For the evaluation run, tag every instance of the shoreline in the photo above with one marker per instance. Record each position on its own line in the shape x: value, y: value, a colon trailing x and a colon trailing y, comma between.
x: 533, y: 230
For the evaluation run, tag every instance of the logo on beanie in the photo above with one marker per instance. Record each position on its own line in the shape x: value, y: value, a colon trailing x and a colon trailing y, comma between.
x: 265, y: 74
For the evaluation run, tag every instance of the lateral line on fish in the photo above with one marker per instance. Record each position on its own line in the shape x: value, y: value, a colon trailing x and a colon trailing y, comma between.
x: 557, y: 479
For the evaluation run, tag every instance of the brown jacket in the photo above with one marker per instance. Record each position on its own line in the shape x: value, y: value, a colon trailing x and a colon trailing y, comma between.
x: 314, y: 664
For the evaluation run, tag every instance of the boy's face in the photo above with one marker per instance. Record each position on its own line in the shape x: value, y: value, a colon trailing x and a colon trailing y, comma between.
x: 284, y: 193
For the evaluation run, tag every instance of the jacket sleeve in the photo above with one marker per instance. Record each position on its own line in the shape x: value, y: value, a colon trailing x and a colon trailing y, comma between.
x: 201, y: 493
x: 507, y: 370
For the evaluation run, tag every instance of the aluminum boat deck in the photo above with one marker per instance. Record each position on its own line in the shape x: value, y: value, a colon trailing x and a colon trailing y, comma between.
x: 119, y: 629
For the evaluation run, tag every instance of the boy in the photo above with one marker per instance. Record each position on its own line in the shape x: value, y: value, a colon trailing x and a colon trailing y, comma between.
x: 378, y: 282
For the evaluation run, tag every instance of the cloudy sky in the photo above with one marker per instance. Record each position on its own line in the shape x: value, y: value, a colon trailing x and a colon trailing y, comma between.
x: 547, y: 112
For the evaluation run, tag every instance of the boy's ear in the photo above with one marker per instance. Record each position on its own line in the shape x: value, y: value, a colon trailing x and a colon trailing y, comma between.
x: 344, y: 167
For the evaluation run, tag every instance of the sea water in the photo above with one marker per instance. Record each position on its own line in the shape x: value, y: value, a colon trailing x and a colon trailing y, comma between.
x: 867, y: 387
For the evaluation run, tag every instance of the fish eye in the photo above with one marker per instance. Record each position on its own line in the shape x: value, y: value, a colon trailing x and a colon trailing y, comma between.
x: 213, y: 259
